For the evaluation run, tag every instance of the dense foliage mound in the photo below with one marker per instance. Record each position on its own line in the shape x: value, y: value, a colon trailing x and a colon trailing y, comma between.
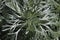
x: 29, y: 20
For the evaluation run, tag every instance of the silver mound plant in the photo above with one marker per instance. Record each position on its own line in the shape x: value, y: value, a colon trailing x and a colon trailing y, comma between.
x: 30, y: 19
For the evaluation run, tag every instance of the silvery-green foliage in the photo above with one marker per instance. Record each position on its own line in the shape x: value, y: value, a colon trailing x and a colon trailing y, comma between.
x: 31, y: 19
